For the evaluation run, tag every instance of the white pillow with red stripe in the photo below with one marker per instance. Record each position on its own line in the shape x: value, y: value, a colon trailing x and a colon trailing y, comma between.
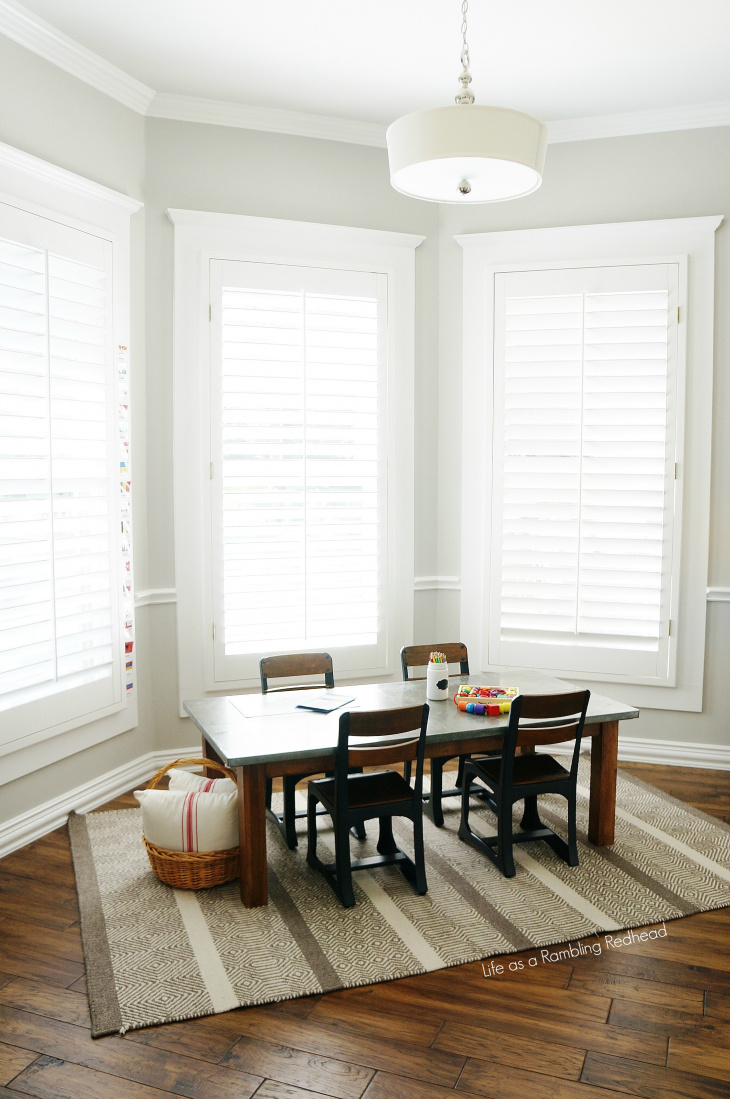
x: 189, y: 820
x: 185, y: 780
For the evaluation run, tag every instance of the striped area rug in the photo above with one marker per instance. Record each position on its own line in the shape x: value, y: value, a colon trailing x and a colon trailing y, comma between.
x: 156, y: 954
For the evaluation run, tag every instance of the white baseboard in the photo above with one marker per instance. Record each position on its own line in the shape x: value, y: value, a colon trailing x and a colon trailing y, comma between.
x: 45, y: 818
x: 26, y: 827
x: 668, y: 753
x: 674, y: 753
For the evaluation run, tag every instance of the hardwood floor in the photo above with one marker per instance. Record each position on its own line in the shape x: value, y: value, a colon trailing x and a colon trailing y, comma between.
x: 651, y: 1019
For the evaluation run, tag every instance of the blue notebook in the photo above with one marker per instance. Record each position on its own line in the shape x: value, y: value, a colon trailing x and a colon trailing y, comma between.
x: 324, y: 702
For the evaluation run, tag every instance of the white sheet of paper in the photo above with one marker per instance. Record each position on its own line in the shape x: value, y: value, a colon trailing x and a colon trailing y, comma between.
x: 265, y: 705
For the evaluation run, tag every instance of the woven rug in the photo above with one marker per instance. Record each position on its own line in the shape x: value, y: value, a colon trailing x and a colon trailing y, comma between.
x: 156, y: 954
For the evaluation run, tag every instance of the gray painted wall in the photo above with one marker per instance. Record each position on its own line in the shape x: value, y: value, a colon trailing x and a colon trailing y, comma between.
x: 196, y: 167
x: 672, y: 175
x: 50, y: 114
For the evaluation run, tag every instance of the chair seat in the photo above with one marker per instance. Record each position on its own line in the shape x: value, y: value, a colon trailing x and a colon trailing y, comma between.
x: 527, y: 769
x: 374, y: 788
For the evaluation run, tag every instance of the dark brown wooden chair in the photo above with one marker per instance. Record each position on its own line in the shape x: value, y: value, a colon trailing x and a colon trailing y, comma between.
x: 291, y: 667
x: 351, y: 799
x: 416, y: 656
x: 510, y: 778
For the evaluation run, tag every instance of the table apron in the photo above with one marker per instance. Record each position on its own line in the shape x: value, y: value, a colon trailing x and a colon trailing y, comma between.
x: 252, y: 794
x: 325, y: 762
x: 446, y: 749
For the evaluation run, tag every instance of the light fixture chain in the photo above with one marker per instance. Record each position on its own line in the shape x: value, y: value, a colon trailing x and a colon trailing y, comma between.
x: 465, y: 45
x: 465, y: 96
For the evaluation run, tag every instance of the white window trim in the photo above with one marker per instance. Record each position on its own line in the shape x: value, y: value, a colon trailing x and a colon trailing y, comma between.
x: 485, y: 254
x: 38, y: 187
x: 200, y: 237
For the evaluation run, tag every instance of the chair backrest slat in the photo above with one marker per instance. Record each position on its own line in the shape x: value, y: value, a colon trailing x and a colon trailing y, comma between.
x: 372, y: 723
x: 293, y: 665
x: 382, y: 723
x: 570, y: 706
x: 552, y: 705
x: 532, y: 735
x: 383, y: 757
x: 416, y: 656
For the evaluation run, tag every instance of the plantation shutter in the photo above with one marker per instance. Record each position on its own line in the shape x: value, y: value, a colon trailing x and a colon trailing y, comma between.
x: 59, y: 630
x: 583, y: 507
x: 298, y: 500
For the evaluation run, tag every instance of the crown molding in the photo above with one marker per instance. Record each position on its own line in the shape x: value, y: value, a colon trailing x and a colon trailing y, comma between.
x: 639, y: 122
x: 214, y: 112
x: 27, y: 29
x: 185, y: 108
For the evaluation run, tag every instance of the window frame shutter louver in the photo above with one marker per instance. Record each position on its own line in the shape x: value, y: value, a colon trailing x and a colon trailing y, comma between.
x: 585, y: 405
x: 60, y: 602
x: 298, y: 410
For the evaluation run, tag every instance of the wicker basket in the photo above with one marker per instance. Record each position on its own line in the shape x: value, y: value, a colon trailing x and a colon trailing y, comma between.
x: 192, y: 869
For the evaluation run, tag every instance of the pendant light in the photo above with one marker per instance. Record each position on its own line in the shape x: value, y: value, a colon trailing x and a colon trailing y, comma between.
x: 466, y: 153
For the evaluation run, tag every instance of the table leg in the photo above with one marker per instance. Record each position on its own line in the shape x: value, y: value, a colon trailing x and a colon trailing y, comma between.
x: 602, y: 807
x: 252, y: 834
x: 209, y: 752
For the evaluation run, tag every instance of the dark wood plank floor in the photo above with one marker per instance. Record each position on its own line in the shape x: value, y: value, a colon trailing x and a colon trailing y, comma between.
x: 651, y: 1019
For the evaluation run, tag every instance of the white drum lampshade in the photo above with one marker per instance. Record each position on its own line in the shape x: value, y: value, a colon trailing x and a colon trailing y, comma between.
x: 466, y: 153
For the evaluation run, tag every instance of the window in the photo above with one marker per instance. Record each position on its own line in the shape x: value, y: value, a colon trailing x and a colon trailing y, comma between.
x: 585, y: 436
x: 590, y: 558
x: 299, y: 466
x: 293, y: 446
x: 66, y: 626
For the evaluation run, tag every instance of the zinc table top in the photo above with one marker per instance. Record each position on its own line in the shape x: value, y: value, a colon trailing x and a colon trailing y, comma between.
x: 273, y: 729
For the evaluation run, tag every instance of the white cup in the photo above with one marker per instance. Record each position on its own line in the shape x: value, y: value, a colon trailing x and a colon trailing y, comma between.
x: 437, y: 682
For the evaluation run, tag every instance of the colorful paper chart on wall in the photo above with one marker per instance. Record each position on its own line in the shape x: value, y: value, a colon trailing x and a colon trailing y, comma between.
x: 125, y: 513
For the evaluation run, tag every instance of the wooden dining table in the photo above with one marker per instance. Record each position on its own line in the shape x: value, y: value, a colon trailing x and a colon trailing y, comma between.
x: 266, y: 736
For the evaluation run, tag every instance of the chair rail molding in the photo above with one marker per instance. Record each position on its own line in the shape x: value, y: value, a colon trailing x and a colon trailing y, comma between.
x: 437, y: 583
x: 151, y: 597
x: 718, y: 595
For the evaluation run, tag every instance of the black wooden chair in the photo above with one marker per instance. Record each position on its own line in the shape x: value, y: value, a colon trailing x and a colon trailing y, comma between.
x: 350, y: 799
x: 416, y: 656
x: 290, y: 667
x: 510, y: 778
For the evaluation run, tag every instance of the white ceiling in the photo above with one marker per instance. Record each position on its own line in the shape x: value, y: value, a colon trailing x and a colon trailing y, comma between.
x: 372, y: 60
